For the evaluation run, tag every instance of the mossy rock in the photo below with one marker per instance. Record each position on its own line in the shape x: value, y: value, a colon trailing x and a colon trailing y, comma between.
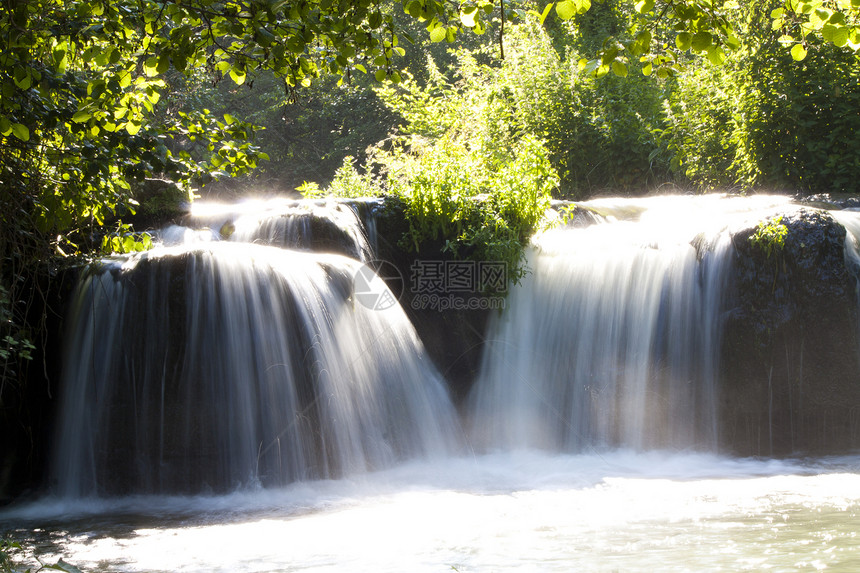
x: 161, y: 200
x: 790, y: 347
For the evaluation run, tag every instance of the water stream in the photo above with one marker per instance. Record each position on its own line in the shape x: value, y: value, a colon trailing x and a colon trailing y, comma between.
x: 230, y: 405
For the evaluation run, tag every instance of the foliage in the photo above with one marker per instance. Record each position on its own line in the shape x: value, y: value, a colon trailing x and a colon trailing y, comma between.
x: 6, y: 547
x: 664, y: 32
x: 600, y: 132
x: 765, y: 120
x: 347, y: 182
x: 834, y: 21
x: 470, y: 183
x: 7, y: 565
x: 123, y: 239
x: 477, y: 205
x: 770, y: 236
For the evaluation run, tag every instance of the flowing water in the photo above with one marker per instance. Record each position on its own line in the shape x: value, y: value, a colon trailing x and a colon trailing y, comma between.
x: 234, y: 406
x: 321, y: 225
x: 518, y: 511
x: 229, y: 364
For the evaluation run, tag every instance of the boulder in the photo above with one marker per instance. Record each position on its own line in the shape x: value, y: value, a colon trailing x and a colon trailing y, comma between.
x: 790, y: 375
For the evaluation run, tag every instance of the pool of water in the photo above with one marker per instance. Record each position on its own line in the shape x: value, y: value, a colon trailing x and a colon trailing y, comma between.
x: 522, y: 511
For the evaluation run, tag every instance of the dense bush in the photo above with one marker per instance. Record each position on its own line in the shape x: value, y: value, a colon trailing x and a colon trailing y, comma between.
x: 764, y: 120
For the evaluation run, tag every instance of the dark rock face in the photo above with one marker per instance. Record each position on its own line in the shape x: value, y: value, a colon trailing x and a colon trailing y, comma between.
x: 453, y: 337
x: 28, y: 409
x: 790, y: 379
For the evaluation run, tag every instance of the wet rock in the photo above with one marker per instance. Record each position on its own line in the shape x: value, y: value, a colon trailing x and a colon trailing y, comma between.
x: 830, y: 200
x: 451, y: 325
x: 790, y: 379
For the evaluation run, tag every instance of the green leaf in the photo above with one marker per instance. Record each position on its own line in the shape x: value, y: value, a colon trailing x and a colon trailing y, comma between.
x: 619, y: 69
x: 684, y: 40
x: 818, y: 18
x: 414, y: 9
x: 81, y: 116
x: 22, y: 78
x: 5, y: 126
x: 150, y: 66
x: 132, y: 127
x: 798, y: 52
x: 238, y: 76
x: 438, y: 34
x: 837, y: 19
x: 468, y: 18
x: 647, y: 69
x: 716, y: 55
x: 21, y: 131
x: 836, y: 34
x: 180, y: 61
x: 545, y: 13
x: 644, y: 6
x: 379, y: 75
x: 701, y: 41
x: 733, y: 42
x: 566, y: 9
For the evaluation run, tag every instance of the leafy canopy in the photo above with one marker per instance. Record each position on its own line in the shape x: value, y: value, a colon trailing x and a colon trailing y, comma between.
x: 87, y: 88
x: 665, y: 31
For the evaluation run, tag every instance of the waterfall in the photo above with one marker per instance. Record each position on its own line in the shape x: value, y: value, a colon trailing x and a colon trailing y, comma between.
x: 345, y: 227
x: 232, y: 359
x: 206, y: 367
x: 613, y: 339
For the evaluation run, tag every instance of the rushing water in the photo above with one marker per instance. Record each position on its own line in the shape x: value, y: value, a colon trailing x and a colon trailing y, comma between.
x: 518, y: 511
x: 614, y: 337
x: 230, y: 406
x: 320, y: 225
x: 194, y: 368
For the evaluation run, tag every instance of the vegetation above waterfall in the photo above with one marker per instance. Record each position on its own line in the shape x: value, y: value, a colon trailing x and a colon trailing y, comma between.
x: 468, y: 181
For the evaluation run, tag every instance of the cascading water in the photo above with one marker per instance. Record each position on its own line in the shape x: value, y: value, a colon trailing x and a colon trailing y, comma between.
x: 214, y: 364
x: 345, y: 227
x: 228, y: 364
x: 614, y: 338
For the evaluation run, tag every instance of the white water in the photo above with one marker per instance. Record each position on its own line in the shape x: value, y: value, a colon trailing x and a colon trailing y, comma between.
x: 614, y: 338
x: 226, y: 365
x: 593, y: 508
x: 519, y: 511
x: 319, y: 225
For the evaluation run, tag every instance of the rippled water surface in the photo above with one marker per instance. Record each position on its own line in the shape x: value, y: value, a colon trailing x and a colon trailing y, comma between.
x: 613, y: 511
